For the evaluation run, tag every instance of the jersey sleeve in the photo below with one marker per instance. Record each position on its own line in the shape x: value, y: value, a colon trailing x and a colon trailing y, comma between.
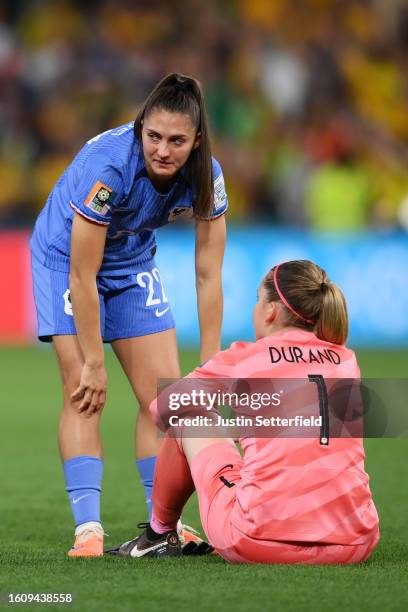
x: 221, y: 365
x: 220, y: 195
x: 212, y: 376
x: 99, y: 191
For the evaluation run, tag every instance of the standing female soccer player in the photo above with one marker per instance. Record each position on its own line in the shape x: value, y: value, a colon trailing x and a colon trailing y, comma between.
x: 288, y: 500
x: 96, y: 280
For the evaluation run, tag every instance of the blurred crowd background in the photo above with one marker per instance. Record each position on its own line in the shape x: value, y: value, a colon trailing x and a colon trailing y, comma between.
x: 308, y: 99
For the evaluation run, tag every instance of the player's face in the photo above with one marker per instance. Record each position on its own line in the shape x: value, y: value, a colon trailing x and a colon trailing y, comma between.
x: 264, y: 314
x: 168, y: 139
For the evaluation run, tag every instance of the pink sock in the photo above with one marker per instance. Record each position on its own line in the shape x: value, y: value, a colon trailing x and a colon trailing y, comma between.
x: 159, y: 527
x: 172, y: 486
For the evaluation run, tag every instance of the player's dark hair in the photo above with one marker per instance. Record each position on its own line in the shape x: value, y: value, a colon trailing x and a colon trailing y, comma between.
x: 313, y: 302
x: 177, y: 93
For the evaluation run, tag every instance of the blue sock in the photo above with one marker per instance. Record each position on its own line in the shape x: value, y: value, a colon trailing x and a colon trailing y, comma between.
x: 146, y: 470
x: 83, y: 477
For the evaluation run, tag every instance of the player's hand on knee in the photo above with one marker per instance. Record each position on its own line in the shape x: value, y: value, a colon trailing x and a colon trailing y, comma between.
x: 91, y: 392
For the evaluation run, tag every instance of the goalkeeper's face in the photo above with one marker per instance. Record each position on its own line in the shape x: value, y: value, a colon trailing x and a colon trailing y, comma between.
x: 168, y: 139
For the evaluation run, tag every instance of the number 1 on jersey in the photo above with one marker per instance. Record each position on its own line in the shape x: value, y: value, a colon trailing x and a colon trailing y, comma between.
x: 323, y: 407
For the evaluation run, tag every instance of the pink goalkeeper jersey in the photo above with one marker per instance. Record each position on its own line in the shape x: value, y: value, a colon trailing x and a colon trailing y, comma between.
x: 297, y: 489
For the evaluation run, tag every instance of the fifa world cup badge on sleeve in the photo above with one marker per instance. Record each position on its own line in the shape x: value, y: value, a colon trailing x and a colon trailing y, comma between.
x: 99, y: 198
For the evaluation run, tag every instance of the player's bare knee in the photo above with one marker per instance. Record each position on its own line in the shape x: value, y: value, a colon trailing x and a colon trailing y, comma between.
x: 71, y: 384
x: 144, y: 409
x: 70, y: 410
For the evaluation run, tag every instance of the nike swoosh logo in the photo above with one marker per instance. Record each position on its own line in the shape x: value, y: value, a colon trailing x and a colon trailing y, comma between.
x: 75, y: 500
x: 139, y: 553
x: 160, y: 313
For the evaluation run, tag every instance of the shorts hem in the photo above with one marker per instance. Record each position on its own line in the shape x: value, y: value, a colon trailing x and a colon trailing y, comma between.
x: 137, y: 333
x: 47, y: 337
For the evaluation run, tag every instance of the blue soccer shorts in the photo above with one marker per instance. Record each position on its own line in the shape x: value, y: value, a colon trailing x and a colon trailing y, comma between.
x: 130, y: 305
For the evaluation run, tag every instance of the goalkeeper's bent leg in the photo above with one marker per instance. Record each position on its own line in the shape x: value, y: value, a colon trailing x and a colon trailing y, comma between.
x: 172, y: 486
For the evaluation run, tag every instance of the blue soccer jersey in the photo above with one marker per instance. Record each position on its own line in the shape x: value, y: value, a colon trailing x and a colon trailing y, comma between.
x: 107, y: 183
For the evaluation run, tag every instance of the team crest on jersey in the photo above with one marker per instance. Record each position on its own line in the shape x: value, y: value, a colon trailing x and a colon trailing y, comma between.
x: 99, y: 198
x: 180, y: 212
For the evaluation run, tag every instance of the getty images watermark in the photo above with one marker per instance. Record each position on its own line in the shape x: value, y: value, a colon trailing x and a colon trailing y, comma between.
x: 288, y: 408
x: 210, y: 401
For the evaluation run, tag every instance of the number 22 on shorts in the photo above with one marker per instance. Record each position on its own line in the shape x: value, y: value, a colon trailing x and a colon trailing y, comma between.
x: 149, y: 280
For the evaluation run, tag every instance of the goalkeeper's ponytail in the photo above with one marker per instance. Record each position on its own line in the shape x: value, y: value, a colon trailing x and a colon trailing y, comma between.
x: 310, y: 299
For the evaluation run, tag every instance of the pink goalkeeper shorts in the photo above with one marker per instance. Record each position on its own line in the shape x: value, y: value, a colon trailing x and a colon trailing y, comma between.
x: 216, y: 474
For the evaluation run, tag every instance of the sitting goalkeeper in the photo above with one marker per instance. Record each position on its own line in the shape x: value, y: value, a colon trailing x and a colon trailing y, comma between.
x: 287, y: 500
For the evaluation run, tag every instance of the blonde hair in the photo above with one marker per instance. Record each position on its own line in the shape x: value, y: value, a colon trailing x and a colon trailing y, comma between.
x: 311, y: 301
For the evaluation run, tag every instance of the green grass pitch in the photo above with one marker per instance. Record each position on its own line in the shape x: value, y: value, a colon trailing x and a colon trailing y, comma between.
x: 36, y: 528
